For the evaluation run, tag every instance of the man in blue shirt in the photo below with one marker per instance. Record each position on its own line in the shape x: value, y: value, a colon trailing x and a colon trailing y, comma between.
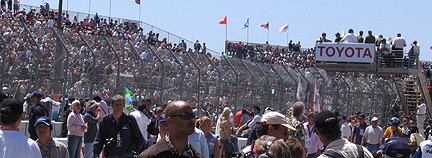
x: 358, y: 130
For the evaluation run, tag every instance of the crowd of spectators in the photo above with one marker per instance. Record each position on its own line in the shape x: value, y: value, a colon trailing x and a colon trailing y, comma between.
x: 293, y: 55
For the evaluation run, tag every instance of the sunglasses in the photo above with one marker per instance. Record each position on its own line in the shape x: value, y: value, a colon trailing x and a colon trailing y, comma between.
x: 185, y: 115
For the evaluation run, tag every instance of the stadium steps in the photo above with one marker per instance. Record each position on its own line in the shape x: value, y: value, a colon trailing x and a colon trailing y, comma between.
x: 407, y: 89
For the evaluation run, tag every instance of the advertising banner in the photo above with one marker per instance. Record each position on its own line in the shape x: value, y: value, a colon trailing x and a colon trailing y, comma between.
x: 345, y: 52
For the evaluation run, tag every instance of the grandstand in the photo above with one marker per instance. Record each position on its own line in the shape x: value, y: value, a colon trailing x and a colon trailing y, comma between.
x: 87, y: 58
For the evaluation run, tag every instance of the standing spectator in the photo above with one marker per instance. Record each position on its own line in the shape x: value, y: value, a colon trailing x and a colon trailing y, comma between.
x: 197, y: 46
x: 396, y: 147
x: 421, y: 115
x: 142, y: 120
x: 399, y: 42
x: 378, y: 41
x: 423, y: 150
x: 205, y: 124
x: 373, y: 136
x: 295, y: 121
x: 327, y: 127
x: 76, y: 128
x: 358, y: 130
x: 415, y: 138
x: 323, y: 38
x: 345, y: 128
x: 370, y: 38
x: 272, y: 124
x: 397, y: 48
x: 16, y: 6
x: 118, y: 133
x: 12, y: 143
x: 152, y: 128
x: 388, y: 132
x: 181, y: 122
x: 92, y: 119
x: 103, y: 106
x: 350, y: 37
x: 225, y: 132
x: 48, y: 146
x: 428, y: 131
x: 394, y: 128
x: 164, y: 131
x: 338, y: 37
x: 204, y: 48
x: 312, y: 141
x: 37, y: 111
x: 198, y: 141
x: 360, y: 37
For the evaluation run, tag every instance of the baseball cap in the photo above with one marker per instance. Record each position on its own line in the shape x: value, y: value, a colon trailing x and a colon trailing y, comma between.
x: 374, y: 119
x: 326, y: 118
x: 89, y: 105
x: 396, y: 147
x: 361, y: 116
x: 343, y: 117
x: 272, y: 118
x: 37, y: 94
x: 162, y: 118
x: 43, y: 119
x: 158, y: 109
x: 393, y: 119
x: 394, y: 123
x: 11, y: 108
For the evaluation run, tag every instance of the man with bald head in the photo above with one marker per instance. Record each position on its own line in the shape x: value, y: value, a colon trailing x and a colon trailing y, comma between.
x: 181, y: 123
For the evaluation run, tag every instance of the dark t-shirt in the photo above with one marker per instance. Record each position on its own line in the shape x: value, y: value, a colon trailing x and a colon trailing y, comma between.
x: 358, y: 132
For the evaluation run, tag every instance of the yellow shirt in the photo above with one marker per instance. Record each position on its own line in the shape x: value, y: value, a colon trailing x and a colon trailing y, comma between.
x: 389, y: 131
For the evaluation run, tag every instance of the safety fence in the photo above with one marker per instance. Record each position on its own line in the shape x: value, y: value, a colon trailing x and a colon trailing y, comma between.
x: 77, y: 64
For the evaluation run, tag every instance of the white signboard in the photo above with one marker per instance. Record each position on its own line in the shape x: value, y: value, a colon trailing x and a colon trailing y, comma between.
x: 345, y: 52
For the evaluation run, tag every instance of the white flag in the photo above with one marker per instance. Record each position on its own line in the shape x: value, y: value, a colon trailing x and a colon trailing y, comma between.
x: 246, y: 25
x: 317, y: 99
x: 299, y: 90
x: 284, y: 28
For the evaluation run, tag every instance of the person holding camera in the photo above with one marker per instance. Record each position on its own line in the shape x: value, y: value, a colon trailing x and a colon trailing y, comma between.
x: 118, y: 133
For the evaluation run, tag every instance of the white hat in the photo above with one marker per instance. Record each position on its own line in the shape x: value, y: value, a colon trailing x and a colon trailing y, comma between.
x: 272, y: 118
x: 374, y: 119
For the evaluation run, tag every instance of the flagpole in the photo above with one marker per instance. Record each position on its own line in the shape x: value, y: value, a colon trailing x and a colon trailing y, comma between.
x: 287, y: 39
x: 109, y: 18
x: 139, y: 16
x: 89, y: 7
x: 247, y: 39
x: 226, y: 29
x: 268, y: 28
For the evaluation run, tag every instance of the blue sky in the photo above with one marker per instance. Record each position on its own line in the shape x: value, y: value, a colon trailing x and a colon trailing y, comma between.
x: 307, y: 19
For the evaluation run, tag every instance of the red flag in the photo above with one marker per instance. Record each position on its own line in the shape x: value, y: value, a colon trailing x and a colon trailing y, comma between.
x: 138, y: 1
x: 266, y: 26
x: 431, y: 47
x: 223, y: 21
x: 390, y: 40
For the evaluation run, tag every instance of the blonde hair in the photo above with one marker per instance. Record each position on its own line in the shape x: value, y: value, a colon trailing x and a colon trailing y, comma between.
x: 202, y: 120
x: 225, y: 114
x: 75, y: 103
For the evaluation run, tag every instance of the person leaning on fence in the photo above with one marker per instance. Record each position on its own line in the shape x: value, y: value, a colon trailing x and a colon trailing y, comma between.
x: 118, y: 132
x: 12, y: 143
x: 328, y: 128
